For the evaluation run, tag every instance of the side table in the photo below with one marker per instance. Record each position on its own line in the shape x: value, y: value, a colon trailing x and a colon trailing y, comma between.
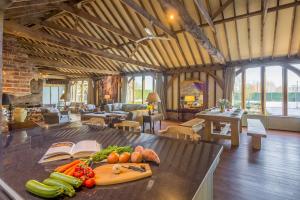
x: 152, y: 119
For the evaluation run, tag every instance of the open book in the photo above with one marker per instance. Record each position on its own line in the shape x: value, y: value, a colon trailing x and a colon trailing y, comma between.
x: 65, y: 150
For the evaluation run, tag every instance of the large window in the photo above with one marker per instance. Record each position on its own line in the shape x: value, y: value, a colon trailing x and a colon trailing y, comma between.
x: 138, y: 88
x: 237, y: 92
x: 52, y: 94
x: 253, y: 90
x: 274, y: 90
x: 273, y: 83
x: 79, y: 91
x: 293, y: 94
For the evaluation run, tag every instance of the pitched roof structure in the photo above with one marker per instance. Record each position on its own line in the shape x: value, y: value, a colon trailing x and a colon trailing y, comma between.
x: 92, y: 37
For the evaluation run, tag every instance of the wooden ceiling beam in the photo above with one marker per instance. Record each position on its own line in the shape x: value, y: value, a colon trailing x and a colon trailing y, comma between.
x: 97, y: 21
x: 205, y: 14
x: 141, y: 11
x: 190, y: 26
x: 5, y: 4
x: 79, y: 35
x: 57, y: 64
x: 221, y: 9
x: 264, y: 62
x: 196, y: 68
x: 55, y: 72
x: 25, y: 4
x: 21, y: 31
x: 48, y: 48
x: 265, y: 5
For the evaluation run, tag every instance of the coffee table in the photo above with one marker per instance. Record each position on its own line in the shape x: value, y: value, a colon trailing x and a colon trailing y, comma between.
x: 110, y: 118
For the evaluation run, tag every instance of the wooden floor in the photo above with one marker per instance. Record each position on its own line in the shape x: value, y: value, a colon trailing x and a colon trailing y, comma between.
x: 273, y: 173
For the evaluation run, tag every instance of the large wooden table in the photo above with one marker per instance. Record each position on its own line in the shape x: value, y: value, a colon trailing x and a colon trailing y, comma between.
x: 216, y: 117
x: 186, y: 169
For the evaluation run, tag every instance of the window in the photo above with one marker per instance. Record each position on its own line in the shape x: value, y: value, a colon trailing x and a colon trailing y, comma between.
x: 253, y: 90
x: 138, y: 88
x: 237, y: 92
x: 52, y: 94
x: 273, y: 99
x: 79, y: 91
x: 293, y: 94
x: 274, y: 90
x: 148, y: 87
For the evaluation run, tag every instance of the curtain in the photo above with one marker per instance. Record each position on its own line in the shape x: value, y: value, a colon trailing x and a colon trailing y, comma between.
x: 229, y: 83
x: 124, y: 89
x: 91, y: 93
x: 161, y: 91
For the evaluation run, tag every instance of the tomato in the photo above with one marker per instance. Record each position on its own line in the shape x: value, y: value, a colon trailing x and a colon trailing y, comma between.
x: 77, y: 168
x: 78, y: 174
x: 89, y: 183
x: 90, y: 174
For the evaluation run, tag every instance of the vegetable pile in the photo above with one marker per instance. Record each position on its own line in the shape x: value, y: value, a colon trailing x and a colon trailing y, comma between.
x: 64, y: 180
x: 103, y: 154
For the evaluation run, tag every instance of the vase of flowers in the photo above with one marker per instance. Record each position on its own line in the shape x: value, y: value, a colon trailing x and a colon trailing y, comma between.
x: 223, y: 104
x: 150, y: 108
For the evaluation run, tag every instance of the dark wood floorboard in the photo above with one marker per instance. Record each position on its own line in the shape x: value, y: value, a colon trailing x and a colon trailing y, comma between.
x: 273, y: 173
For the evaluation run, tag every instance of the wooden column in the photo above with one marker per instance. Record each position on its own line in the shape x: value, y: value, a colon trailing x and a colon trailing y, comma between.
x: 243, y: 89
x: 285, y: 91
x: 262, y: 89
x: 1, y: 50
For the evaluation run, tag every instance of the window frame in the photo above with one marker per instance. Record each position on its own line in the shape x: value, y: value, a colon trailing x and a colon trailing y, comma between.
x: 285, y: 70
x: 132, y: 78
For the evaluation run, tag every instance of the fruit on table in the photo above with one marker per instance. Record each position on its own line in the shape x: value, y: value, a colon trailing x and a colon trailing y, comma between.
x: 75, y: 182
x: 43, y: 190
x: 150, y: 155
x: 89, y: 183
x: 139, y: 149
x: 113, y: 158
x: 124, y: 157
x: 136, y: 157
x: 68, y: 189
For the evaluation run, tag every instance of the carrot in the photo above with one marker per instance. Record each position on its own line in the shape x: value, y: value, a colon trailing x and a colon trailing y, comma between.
x: 67, y: 166
x: 71, y: 171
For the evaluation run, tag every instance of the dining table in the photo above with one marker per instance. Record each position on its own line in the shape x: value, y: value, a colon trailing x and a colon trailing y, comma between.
x: 214, y: 118
x: 185, y: 171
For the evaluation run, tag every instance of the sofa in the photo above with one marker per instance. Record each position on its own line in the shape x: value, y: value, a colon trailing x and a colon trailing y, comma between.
x: 134, y: 112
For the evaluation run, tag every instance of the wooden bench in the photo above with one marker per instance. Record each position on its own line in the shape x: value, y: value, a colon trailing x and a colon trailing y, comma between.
x: 257, y: 130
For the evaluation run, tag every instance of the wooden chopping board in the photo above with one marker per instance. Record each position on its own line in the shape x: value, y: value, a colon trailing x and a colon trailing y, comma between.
x: 104, y: 175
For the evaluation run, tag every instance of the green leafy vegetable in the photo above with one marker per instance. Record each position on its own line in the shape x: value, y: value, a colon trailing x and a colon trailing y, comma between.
x: 101, y: 155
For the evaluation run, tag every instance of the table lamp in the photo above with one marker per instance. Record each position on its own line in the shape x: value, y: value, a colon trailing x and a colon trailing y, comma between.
x: 189, y: 99
x: 107, y: 98
x: 153, y: 99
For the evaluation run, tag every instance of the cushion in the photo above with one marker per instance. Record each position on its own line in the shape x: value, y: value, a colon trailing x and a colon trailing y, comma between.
x: 90, y: 107
x: 131, y: 107
x: 117, y: 106
x: 108, y: 108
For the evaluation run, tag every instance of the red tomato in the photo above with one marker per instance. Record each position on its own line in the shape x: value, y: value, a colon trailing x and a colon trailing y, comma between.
x: 89, y: 183
x: 90, y: 174
x: 77, y: 168
x: 78, y: 174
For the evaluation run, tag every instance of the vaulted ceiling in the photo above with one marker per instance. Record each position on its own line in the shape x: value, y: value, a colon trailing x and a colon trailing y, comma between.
x: 99, y: 36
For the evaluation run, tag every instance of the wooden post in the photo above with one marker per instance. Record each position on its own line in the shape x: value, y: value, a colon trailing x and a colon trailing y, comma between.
x: 285, y: 91
x: 262, y: 89
x: 1, y: 56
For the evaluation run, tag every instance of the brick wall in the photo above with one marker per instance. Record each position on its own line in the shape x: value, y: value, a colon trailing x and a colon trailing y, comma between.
x: 17, y: 69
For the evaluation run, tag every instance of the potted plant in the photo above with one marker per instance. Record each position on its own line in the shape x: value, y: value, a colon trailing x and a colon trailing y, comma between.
x: 223, y: 104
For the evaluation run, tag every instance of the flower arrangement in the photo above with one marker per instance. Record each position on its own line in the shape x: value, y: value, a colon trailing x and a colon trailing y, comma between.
x: 223, y: 103
x: 150, y: 108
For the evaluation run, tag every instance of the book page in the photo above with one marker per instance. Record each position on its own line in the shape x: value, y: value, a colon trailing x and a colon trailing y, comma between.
x: 86, y: 146
x: 59, y: 148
